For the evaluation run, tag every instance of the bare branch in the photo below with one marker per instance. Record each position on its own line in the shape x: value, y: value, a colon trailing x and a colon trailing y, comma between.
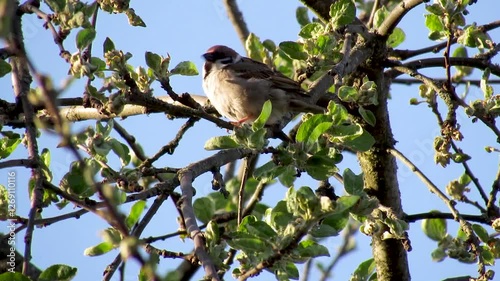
x: 21, y: 80
x: 186, y: 178
x: 396, y: 15
x: 475, y: 82
x: 405, y: 54
x: 448, y: 216
x: 236, y: 18
x: 439, y: 62
x: 344, y: 249
x: 28, y: 163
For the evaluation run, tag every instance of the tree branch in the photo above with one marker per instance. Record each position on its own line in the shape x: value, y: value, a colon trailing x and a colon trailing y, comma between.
x: 21, y: 80
x: 236, y: 18
x: 396, y: 15
x: 448, y: 216
x: 405, y: 54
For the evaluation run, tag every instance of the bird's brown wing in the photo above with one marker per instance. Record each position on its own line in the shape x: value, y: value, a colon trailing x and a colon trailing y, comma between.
x: 258, y: 70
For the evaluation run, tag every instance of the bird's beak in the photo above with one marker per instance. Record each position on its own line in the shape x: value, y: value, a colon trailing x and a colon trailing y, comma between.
x: 208, y: 56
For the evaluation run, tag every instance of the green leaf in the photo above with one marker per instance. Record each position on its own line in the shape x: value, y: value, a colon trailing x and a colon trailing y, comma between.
x: 348, y: 94
x: 473, y: 36
x: 56, y: 5
x: 248, y: 243
x: 434, y: 23
x: 294, y: 50
x: 353, y: 184
x: 438, y: 255
x: 311, y: 249
x: 153, y: 61
x: 186, y: 68
x: 269, y: 45
x: 287, y: 272
x: 279, y: 217
x: 255, y: 48
x: 108, y: 45
x: 360, y: 143
x: 342, y: 12
x: 320, y: 166
x: 464, y: 179
x: 311, y: 129
x: 258, y: 228
x: 287, y: 178
x: 481, y: 233
x: 396, y: 38
x: 487, y: 255
x: 134, y: 19
x: 367, y: 115
x: 311, y: 30
x: 85, y: 38
x: 78, y: 181
x: 268, y: 171
x: 8, y: 144
x: 99, y: 64
x: 344, y: 203
x: 204, y: 209
x: 435, y: 9
x: 380, y: 16
x: 112, y: 235
x: 435, y: 229
x: 45, y: 157
x: 257, y: 139
x: 99, y: 249
x: 461, y: 52
x: 301, y: 14
x: 259, y: 123
x: 5, y: 68
x: 58, y: 272
x: 212, y: 233
x: 485, y: 86
x: 121, y: 150
x: 13, y: 276
x: 221, y: 142
x: 135, y: 213
x: 337, y: 112
x: 332, y: 225
x: 364, y: 270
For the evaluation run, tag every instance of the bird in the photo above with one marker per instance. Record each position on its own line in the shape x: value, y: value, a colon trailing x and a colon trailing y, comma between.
x: 238, y: 87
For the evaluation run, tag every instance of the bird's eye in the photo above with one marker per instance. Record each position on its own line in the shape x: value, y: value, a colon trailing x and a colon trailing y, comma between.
x: 226, y: 60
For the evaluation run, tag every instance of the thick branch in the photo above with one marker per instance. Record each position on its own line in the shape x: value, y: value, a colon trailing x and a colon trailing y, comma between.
x: 236, y: 18
x: 396, y: 16
x: 186, y: 178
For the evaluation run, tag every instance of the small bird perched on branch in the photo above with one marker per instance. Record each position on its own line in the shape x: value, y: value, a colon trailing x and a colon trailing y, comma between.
x: 238, y: 87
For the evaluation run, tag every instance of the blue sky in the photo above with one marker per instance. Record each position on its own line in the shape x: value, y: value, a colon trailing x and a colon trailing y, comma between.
x: 185, y: 30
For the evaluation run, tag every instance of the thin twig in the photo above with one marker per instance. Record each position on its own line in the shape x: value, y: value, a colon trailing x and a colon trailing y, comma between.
x: 464, y: 224
x: 491, y: 206
x: 405, y: 54
x: 344, y: 249
x: 172, y: 145
x: 376, y: 4
x: 241, y: 191
x: 28, y: 163
x: 475, y: 82
x: 435, y: 215
x: 437, y: 87
x: 28, y: 8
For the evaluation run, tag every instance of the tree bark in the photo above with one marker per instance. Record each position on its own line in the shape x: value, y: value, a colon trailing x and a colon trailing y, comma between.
x: 380, y: 179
